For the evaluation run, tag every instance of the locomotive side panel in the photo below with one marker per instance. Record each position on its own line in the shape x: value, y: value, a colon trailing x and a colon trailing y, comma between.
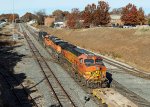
x: 93, y: 74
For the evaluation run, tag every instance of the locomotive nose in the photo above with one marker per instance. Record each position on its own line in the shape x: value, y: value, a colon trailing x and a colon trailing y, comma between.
x: 98, y: 68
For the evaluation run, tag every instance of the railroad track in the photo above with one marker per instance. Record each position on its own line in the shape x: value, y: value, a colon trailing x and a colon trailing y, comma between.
x: 130, y: 70
x: 59, y: 95
x: 117, y: 86
x: 23, y: 98
x: 138, y: 100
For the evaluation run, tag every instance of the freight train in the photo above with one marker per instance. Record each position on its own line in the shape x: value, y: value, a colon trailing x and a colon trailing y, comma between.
x: 87, y: 67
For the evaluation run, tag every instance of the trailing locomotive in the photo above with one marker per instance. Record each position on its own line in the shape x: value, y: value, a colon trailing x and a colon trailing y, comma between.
x: 88, y: 68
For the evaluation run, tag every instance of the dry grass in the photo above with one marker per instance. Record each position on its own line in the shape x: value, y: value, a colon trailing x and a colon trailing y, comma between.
x: 127, y: 45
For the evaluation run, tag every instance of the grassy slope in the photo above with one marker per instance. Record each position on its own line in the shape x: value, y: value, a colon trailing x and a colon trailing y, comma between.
x: 127, y: 45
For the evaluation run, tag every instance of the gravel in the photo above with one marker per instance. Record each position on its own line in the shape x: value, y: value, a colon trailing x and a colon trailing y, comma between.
x: 137, y: 85
x: 73, y: 89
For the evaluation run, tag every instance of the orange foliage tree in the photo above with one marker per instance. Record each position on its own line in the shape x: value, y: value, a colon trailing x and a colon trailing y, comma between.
x: 101, y: 15
x: 141, y: 16
x: 28, y: 17
x: 73, y: 18
x: 96, y: 15
x: 9, y: 17
x: 132, y: 16
x: 87, y: 15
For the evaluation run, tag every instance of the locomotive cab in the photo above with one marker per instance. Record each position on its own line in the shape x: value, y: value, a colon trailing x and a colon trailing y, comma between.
x: 47, y: 41
x: 92, y: 69
x: 42, y: 36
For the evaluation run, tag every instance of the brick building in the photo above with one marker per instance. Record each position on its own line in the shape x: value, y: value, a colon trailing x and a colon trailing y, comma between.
x: 116, y: 20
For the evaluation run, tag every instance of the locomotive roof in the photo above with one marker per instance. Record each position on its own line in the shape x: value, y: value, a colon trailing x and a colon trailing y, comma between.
x: 57, y: 41
x: 42, y: 33
x: 83, y: 51
x: 51, y: 37
x: 60, y: 42
x: 72, y: 50
x: 63, y: 44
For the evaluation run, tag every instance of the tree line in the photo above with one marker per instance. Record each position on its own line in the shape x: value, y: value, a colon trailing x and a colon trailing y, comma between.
x: 99, y: 15
x: 92, y: 15
x: 9, y: 17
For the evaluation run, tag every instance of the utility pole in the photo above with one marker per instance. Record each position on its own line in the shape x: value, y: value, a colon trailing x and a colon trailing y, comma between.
x: 13, y: 22
x: 13, y: 11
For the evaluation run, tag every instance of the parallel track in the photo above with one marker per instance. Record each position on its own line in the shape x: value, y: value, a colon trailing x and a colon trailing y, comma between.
x: 120, y: 88
x: 130, y: 70
x: 23, y: 98
x: 58, y: 93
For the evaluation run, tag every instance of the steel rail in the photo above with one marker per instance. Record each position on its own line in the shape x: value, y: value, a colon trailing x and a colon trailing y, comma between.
x: 13, y: 91
x: 42, y: 59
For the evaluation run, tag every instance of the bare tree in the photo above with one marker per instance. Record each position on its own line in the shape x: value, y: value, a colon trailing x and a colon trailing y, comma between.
x: 41, y: 14
x: 116, y: 11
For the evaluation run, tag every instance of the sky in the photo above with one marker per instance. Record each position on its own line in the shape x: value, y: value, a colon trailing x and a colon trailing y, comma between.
x: 23, y: 6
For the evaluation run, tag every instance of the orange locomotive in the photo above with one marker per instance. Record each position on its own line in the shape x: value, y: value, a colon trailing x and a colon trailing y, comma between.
x: 89, y: 68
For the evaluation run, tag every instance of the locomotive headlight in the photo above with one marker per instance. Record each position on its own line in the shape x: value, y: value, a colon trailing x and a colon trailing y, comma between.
x: 97, y: 68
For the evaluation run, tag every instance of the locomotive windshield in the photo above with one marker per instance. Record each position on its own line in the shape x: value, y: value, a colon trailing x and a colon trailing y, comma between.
x: 89, y: 62
x: 99, y: 61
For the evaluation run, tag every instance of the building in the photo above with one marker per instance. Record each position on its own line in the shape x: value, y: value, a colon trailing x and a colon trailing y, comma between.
x: 48, y: 21
x: 116, y: 20
x: 59, y: 25
x: 32, y: 22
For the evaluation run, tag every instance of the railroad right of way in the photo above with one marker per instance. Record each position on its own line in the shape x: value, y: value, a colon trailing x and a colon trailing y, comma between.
x: 127, y: 91
x: 74, y: 89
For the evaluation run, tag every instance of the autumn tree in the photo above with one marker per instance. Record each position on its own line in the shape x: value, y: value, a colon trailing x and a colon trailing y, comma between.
x: 141, y: 16
x: 9, y: 17
x: 74, y: 18
x: 58, y: 14
x: 13, y: 17
x: 101, y: 15
x: 87, y: 15
x: 28, y: 17
x: 65, y: 15
x: 71, y: 21
x: 132, y: 16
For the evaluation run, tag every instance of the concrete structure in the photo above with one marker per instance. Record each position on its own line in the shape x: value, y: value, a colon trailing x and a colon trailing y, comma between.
x: 48, y: 21
x: 116, y: 20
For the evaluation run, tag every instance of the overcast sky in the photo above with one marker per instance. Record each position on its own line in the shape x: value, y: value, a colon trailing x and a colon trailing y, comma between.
x: 23, y: 6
